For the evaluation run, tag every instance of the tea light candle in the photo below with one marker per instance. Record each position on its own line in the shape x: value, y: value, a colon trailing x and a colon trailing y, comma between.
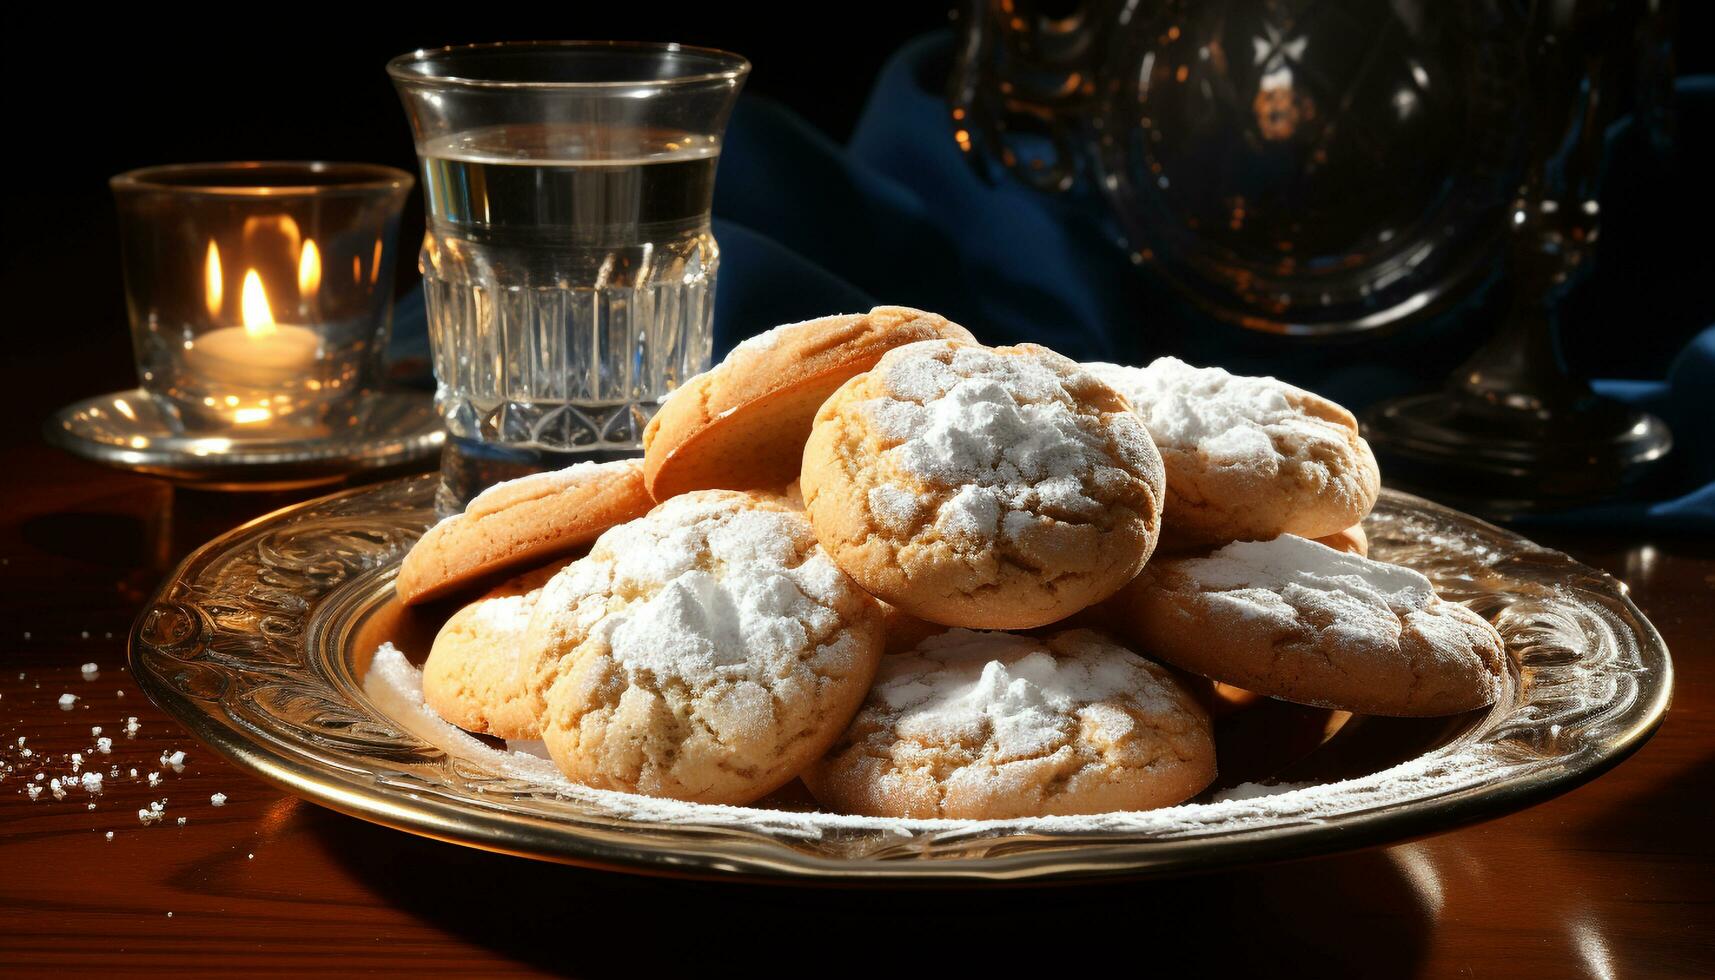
x: 260, y: 354
x: 254, y: 359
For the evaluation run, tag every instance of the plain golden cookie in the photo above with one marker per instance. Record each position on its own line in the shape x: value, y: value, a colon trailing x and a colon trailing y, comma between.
x: 988, y: 488
x: 742, y: 424
x: 1352, y: 541
x: 707, y: 652
x: 1248, y: 458
x: 996, y: 725
x: 521, y: 523
x: 475, y: 676
x: 904, y: 631
x: 1297, y: 620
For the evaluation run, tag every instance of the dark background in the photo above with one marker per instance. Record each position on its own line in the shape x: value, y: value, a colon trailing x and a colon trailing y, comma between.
x: 250, y: 83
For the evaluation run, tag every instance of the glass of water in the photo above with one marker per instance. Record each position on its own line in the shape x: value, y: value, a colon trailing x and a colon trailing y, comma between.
x: 568, y: 266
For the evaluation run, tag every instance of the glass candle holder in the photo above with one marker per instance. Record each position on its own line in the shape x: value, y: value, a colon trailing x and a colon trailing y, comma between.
x: 260, y: 294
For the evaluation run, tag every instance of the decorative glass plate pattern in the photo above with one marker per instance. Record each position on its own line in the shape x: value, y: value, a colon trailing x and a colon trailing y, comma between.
x: 260, y: 641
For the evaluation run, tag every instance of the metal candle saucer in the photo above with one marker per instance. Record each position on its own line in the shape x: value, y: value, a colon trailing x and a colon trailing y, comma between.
x: 135, y: 430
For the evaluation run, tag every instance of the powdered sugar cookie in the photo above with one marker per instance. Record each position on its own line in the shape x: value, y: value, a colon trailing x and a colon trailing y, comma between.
x: 1297, y: 620
x: 520, y: 523
x: 706, y: 652
x: 997, y: 725
x: 477, y: 674
x: 742, y: 424
x: 1248, y: 458
x: 996, y: 488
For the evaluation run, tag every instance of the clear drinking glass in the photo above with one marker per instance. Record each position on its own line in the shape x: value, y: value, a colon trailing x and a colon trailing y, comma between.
x: 260, y: 294
x: 568, y: 266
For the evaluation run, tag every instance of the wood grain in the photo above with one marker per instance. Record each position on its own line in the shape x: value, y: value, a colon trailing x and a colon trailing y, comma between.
x: 1613, y: 879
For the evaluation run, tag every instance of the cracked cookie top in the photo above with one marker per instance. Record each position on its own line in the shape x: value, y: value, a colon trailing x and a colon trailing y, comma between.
x: 1298, y: 620
x: 705, y: 652
x: 990, y: 488
x: 997, y: 725
x: 1248, y: 458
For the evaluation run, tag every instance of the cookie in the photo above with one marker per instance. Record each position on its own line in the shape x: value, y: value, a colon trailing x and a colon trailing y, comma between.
x: 520, y: 523
x: 1353, y: 541
x: 1297, y: 620
x: 706, y: 652
x: 742, y: 424
x: 904, y: 631
x: 476, y: 675
x: 997, y: 725
x: 1248, y: 459
x: 987, y: 488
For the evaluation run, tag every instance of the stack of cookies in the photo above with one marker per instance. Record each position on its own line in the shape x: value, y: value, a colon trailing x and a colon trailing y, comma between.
x: 931, y: 578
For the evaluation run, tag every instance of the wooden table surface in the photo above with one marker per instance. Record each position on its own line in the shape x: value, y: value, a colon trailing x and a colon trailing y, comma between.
x: 1613, y: 879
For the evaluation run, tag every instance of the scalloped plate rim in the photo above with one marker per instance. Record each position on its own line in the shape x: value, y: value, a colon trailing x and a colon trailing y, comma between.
x: 1092, y: 855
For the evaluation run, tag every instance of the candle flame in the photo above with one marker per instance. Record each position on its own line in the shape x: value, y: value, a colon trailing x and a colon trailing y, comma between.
x: 212, y: 288
x: 309, y: 269
x: 375, y: 263
x: 253, y: 301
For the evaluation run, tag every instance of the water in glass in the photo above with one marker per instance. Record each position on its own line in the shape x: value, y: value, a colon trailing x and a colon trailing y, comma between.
x: 569, y: 275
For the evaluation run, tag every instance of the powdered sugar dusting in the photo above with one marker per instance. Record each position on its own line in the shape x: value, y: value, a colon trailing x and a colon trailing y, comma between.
x: 1256, y: 791
x: 396, y: 687
x: 503, y: 615
x: 1354, y: 603
x: 1002, y: 429
x: 722, y: 587
x: 1290, y: 561
x: 894, y: 507
x: 965, y: 686
x: 1348, y: 595
x: 1227, y: 418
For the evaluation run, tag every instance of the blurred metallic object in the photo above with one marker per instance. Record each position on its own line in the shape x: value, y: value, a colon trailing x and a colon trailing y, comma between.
x: 1512, y: 431
x: 1025, y: 85
x: 1300, y: 168
x: 139, y: 431
x: 1327, y: 168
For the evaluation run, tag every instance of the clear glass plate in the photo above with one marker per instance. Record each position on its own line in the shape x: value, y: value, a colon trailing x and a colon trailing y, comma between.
x: 260, y: 641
